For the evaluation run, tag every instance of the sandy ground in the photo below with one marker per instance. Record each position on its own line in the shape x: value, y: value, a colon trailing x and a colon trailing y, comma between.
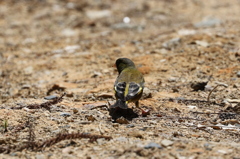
x: 187, y: 50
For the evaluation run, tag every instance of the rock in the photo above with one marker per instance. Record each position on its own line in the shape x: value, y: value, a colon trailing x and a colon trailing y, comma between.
x: 51, y: 97
x: 65, y: 114
x: 122, y: 139
x: 96, y: 14
x: 130, y: 126
x: 126, y: 20
x: 208, y: 22
x: 101, y: 141
x: 90, y: 118
x: 28, y: 70
x: 146, y: 93
x: 122, y: 120
x: 69, y: 32
x: 186, y: 32
x: 208, y: 147
x: 202, y: 43
x: 67, y: 150
x: 198, y: 85
x: 136, y: 134
x: 160, y: 51
x: 167, y: 143
x: 96, y: 74
x: 172, y: 79
x: 238, y: 74
x: 40, y: 156
x: 153, y: 145
x: 25, y: 86
x: 13, y: 91
x: 75, y: 111
x: 171, y: 43
x: 225, y: 151
x: 71, y: 48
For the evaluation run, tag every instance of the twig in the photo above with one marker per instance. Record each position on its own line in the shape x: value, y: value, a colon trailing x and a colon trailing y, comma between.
x: 61, y: 137
x: 49, y: 142
x: 45, y: 105
x: 218, y: 84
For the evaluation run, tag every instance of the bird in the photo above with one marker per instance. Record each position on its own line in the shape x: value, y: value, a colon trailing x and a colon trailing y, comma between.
x: 129, y: 84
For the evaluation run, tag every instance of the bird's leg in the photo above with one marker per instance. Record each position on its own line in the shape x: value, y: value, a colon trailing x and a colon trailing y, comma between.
x: 144, y: 113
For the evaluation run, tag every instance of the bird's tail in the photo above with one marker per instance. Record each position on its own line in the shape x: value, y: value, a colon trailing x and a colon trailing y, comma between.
x: 121, y: 104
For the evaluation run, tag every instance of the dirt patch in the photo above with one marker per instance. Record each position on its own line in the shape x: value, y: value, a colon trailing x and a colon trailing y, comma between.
x: 184, y: 49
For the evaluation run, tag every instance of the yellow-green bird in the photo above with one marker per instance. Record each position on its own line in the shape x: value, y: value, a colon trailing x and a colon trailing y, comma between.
x: 128, y: 85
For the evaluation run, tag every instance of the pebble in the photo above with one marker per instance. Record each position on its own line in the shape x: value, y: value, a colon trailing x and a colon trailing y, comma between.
x: 68, y: 32
x: 122, y: 139
x: 198, y: 85
x: 75, y: 111
x: 152, y: 145
x: 238, y: 74
x: 101, y: 141
x: 40, y: 156
x: 28, y: 70
x: 208, y: 22
x: 130, y: 126
x: 122, y: 120
x: 166, y: 143
x: 208, y: 147
x: 202, y: 43
x: 147, y: 93
x: 136, y: 134
x: 96, y: 14
x: 171, y: 43
x: 26, y: 86
x: 172, y: 79
x: 51, y: 97
x: 65, y: 114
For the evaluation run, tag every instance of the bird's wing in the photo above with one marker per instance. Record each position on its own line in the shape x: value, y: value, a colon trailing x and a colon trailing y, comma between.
x: 120, y: 90
x: 133, y: 90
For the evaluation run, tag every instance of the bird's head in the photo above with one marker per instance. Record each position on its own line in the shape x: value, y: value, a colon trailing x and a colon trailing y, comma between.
x: 123, y: 63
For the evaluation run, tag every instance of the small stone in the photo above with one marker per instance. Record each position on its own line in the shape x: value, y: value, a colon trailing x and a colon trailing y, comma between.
x: 122, y: 139
x: 75, y: 111
x: 202, y: 43
x: 101, y: 141
x: 67, y: 150
x: 225, y: 151
x: 40, y: 156
x: 208, y: 22
x: 13, y: 91
x: 208, y: 147
x: 26, y: 86
x: 130, y: 126
x: 153, y: 145
x: 96, y: 14
x: 146, y: 93
x: 171, y: 43
x: 198, y: 85
x: 122, y: 120
x: 69, y: 32
x: 172, y: 79
x: 51, y: 97
x: 136, y: 134
x: 238, y: 74
x: 167, y: 143
x: 28, y: 70
x: 65, y: 114
x: 90, y: 118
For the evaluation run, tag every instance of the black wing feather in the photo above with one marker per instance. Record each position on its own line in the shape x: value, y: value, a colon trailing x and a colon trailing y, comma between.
x: 133, y: 90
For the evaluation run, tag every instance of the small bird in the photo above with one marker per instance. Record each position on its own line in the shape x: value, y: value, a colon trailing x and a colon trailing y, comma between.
x: 128, y: 85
